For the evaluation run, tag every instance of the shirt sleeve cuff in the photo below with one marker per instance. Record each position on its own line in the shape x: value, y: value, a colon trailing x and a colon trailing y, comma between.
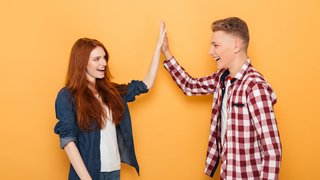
x: 169, y: 62
x: 65, y: 141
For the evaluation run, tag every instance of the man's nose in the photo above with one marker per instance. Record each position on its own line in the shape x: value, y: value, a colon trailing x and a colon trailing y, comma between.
x: 211, y: 51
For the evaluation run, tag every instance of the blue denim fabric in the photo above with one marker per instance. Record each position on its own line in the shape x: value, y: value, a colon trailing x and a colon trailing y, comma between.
x: 113, y: 175
x: 88, y: 143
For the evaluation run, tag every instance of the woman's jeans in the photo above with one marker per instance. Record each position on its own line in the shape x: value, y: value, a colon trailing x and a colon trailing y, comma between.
x: 113, y: 175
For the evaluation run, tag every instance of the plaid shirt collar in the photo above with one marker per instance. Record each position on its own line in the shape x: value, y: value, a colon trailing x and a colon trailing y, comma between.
x: 226, y: 74
x: 243, y: 69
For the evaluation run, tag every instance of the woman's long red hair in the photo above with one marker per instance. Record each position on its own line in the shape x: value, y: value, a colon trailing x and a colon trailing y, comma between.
x: 90, y: 112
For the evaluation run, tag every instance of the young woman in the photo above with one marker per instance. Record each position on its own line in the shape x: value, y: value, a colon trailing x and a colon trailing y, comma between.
x: 94, y: 123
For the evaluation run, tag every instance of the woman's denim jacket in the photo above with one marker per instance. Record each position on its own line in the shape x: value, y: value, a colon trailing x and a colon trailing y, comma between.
x: 88, y: 143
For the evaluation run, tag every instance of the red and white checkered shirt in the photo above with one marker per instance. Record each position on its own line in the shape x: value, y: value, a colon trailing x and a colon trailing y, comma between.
x: 251, y: 148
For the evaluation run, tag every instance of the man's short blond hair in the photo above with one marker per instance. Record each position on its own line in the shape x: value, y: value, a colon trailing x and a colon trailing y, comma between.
x: 234, y: 26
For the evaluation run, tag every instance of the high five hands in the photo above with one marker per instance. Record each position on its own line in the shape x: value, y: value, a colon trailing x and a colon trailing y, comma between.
x: 164, y: 41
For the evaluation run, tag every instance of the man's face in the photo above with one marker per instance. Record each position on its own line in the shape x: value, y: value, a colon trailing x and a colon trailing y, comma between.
x: 223, y: 49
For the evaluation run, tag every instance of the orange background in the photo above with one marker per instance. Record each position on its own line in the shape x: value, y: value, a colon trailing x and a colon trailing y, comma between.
x: 170, y: 129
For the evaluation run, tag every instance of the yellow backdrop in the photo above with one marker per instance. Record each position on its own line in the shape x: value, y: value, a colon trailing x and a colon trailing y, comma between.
x: 170, y: 129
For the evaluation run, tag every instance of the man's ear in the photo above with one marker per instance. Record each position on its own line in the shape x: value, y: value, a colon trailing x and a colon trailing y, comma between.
x: 237, y: 45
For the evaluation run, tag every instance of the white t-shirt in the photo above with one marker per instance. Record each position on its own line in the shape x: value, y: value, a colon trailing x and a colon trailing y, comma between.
x: 110, y: 157
x: 224, y: 112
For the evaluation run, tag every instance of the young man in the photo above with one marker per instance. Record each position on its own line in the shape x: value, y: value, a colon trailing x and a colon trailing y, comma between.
x: 243, y: 132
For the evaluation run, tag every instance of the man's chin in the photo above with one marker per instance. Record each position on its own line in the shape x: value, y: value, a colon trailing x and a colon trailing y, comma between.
x: 218, y: 66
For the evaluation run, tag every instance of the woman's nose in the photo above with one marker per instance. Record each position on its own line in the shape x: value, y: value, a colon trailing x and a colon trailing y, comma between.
x: 103, y: 62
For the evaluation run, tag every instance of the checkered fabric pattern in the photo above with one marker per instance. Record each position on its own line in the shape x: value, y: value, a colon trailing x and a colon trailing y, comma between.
x: 251, y: 148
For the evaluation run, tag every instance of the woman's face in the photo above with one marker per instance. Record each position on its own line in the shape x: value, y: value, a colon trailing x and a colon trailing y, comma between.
x: 96, y: 65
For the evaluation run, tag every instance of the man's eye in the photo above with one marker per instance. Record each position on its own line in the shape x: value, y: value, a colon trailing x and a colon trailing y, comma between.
x: 214, y: 45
